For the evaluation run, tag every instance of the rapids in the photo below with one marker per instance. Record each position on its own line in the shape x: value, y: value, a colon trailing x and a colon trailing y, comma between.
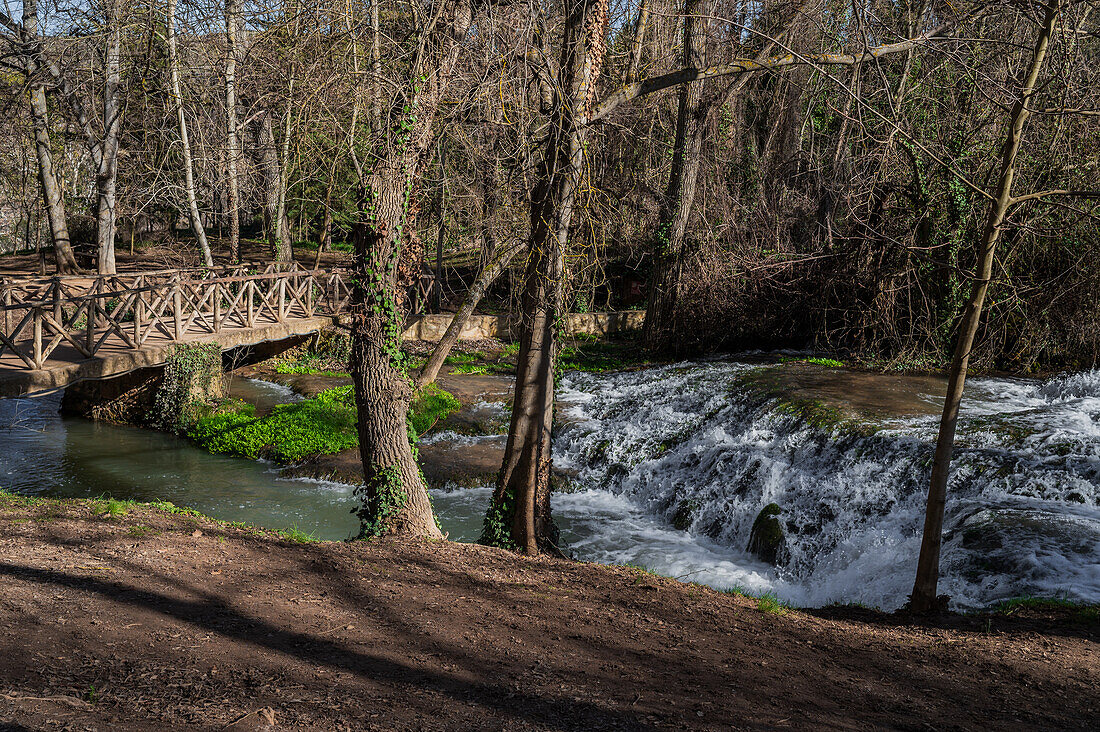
x: 690, y: 445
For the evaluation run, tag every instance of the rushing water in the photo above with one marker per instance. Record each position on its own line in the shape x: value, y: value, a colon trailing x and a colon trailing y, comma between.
x: 686, y: 444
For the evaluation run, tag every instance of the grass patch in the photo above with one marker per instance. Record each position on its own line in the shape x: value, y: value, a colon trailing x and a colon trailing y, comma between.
x: 139, y: 531
x: 297, y: 535
x: 110, y: 507
x: 431, y: 405
x: 1082, y: 612
x: 769, y: 603
x: 483, y: 368
x: 831, y: 363
x: 300, y: 369
x: 465, y: 358
x: 323, y: 425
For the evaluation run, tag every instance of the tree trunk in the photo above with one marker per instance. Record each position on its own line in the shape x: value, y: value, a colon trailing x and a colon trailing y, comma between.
x: 107, y: 172
x: 275, y: 222
x: 679, y: 199
x: 52, y: 198
x: 634, y: 64
x: 285, y: 251
x: 519, y: 514
x: 393, y: 498
x: 232, y: 137
x: 185, y: 142
x: 488, y: 275
x: 376, y: 70
x: 924, y: 598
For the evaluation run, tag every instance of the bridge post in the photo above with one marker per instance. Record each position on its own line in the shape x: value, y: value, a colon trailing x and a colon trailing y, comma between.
x: 217, y: 306
x: 57, y: 314
x: 177, y: 308
x: 37, y: 317
x: 282, y: 298
x: 139, y: 313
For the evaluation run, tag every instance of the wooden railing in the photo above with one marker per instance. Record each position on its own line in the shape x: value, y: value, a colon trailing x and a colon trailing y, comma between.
x: 88, y: 313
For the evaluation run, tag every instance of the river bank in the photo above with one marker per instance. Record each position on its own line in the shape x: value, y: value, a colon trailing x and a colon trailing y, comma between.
x: 669, y: 467
x: 149, y: 619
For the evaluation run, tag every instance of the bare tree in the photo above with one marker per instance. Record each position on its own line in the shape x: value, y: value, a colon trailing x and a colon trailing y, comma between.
x: 924, y: 598
x: 52, y: 196
x: 232, y: 133
x: 185, y: 140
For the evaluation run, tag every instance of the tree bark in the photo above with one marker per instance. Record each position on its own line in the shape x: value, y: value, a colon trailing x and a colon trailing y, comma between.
x: 519, y: 514
x: 924, y: 598
x: 185, y: 141
x: 485, y: 278
x: 52, y: 198
x: 232, y: 137
x: 679, y: 199
x: 275, y: 222
x: 634, y: 64
x: 107, y: 172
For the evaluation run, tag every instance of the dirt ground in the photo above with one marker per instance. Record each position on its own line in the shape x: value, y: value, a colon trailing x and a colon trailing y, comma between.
x: 152, y: 621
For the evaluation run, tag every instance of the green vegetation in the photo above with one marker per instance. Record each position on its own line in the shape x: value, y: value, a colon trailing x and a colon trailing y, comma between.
x: 831, y: 363
x: 297, y: 535
x: 110, y: 507
x: 319, y: 426
x: 192, y: 380
x: 497, y: 530
x: 302, y: 368
x: 430, y: 406
x: 465, y: 358
x: 587, y: 354
x: 769, y: 603
x: 483, y: 368
x: 322, y: 425
x: 1081, y: 612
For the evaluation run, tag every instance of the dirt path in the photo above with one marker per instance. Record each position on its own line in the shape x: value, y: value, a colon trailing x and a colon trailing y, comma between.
x: 151, y: 621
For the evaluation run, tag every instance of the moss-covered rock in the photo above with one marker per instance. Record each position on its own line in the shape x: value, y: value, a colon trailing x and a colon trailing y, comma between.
x: 766, y: 537
x: 684, y: 515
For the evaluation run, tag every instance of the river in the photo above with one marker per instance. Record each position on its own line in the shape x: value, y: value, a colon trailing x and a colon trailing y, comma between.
x: 688, y: 445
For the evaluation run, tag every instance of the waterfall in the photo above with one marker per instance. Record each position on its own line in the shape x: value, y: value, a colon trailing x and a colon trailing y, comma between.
x: 700, y: 452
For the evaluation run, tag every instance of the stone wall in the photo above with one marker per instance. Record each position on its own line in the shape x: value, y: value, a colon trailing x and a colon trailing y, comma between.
x: 432, y: 327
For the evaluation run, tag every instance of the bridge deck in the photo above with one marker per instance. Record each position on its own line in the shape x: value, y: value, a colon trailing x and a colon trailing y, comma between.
x: 55, y: 331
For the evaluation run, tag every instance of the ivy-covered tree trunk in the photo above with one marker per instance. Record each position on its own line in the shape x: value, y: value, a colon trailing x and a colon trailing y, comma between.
x: 393, y: 497
x: 519, y: 514
x: 387, y: 255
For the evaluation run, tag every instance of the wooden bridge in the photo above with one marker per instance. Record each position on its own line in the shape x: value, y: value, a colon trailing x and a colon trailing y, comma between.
x: 58, y: 330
